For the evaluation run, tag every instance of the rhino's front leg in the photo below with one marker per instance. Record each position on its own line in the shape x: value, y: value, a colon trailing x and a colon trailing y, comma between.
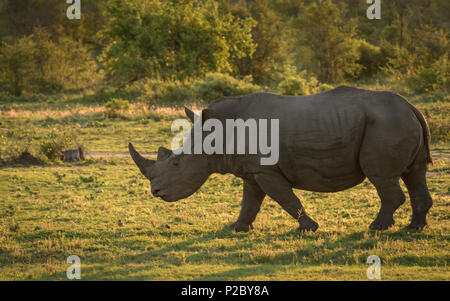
x: 278, y: 188
x: 251, y: 203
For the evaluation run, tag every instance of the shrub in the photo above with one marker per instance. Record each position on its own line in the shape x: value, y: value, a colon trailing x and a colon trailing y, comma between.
x: 175, y: 93
x: 26, y: 147
x: 442, y: 67
x: 322, y: 88
x: 15, y: 62
x: 55, y: 144
x: 426, y: 80
x: 52, y: 149
x: 40, y: 63
x: 16, y: 144
x: 58, y: 141
x: 294, y: 86
x: 438, y: 117
x: 301, y: 84
x: 115, y: 106
x: 216, y: 85
x: 439, y: 130
x: 282, y: 72
x: 431, y: 79
x: 370, y: 57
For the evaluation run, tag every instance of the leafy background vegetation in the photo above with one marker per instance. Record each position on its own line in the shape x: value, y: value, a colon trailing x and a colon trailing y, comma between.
x: 122, y: 72
x: 127, y: 43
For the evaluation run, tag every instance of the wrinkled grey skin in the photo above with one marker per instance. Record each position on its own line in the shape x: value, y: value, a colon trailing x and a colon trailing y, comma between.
x: 328, y: 142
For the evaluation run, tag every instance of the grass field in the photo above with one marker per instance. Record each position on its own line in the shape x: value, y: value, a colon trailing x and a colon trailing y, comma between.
x: 50, y: 212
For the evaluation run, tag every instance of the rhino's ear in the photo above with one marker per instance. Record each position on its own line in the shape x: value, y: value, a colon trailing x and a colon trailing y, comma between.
x: 189, y: 114
x: 163, y: 153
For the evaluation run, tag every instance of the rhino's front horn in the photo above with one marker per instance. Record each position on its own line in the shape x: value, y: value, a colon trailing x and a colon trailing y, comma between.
x: 143, y: 164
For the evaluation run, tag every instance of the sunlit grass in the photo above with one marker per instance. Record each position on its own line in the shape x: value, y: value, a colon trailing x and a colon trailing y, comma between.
x: 50, y: 212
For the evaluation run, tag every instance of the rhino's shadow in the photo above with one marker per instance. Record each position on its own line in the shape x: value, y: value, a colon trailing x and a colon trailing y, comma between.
x: 340, y: 251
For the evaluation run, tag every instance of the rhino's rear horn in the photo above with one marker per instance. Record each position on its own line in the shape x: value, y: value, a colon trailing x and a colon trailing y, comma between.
x: 143, y: 164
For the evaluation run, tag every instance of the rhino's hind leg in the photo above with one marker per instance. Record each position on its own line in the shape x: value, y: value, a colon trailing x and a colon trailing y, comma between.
x: 391, y: 196
x: 421, y: 202
x: 279, y: 189
x: 251, y: 203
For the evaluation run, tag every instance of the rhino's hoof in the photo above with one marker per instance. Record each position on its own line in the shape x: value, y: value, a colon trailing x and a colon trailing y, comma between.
x: 382, y: 223
x: 307, y: 224
x: 241, y: 227
x: 416, y: 226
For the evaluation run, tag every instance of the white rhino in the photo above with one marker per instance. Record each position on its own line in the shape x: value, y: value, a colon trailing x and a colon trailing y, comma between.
x: 328, y: 142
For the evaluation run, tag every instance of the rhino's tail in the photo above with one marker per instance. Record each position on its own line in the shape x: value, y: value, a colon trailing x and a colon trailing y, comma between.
x: 426, y: 132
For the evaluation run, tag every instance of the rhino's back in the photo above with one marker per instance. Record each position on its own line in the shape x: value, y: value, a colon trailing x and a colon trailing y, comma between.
x: 269, y: 105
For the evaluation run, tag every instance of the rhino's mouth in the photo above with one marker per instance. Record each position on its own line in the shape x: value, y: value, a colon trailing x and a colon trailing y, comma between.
x: 168, y: 198
x: 171, y: 196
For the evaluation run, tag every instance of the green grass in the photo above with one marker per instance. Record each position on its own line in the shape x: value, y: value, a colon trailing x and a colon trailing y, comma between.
x: 98, y: 132
x: 70, y: 209
x: 50, y: 212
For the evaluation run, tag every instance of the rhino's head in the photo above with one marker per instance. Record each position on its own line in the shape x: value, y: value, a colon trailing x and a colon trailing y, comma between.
x: 172, y: 177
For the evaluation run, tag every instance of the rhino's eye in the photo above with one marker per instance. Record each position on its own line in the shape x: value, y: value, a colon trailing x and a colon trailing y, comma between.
x: 175, y: 163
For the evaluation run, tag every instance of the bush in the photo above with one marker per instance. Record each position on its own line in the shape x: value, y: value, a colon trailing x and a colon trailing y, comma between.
x: 115, y: 106
x: 27, y: 147
x: 176, y: 93
x: 157, y: 92
x: 422, y: 64
x: 282, y: 72
x: 426, y: 80
x: 173, y: 93
x: 439, y: 130
x: 300, y: 84
x: 370, y: 57
x: 294, y: 86
x: 437, y: 115
x: 434, y: 78
x: 58, y: 141
x: 16, y: 59
x: 216, y: 85
x: 322, y: 88
x: 40, y: 63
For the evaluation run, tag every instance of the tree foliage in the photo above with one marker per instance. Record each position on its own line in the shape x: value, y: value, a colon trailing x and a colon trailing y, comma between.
x: 37, y: 63
x: 270, y: 36
x: 172, y: 39
x: 268, y: 43
x: 331, y: 40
